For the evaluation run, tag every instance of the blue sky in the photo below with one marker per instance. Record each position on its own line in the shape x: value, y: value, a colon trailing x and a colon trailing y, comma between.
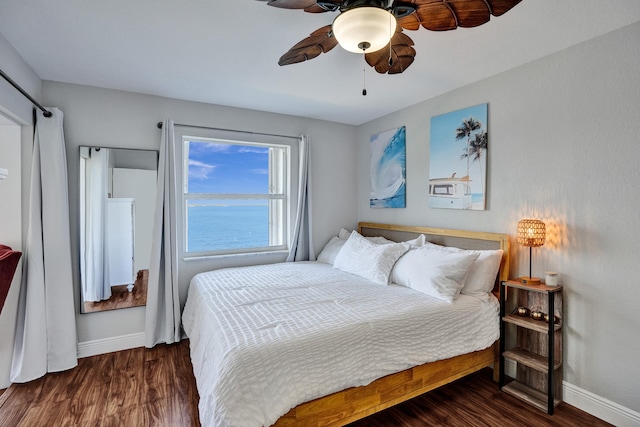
x: 445, y: 150
x: 225, y: 168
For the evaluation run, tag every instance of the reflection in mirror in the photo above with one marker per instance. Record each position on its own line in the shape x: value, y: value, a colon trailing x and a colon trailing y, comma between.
x: 117, y: 200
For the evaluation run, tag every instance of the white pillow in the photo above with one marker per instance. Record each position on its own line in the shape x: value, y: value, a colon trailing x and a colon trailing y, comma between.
x: 434, y: 271
x: 418, y: 241
x: 379, y: 240
x: 483, y: 272
x: 366, y: 259
x: 344, y: 234
x: 331, y: 249
x: 482, y: 276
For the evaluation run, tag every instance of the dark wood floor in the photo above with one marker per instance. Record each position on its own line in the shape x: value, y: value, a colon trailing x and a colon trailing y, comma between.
x: 139, y: 387
x: 475, y: 401
x: 121, y: 297
x: 155, y: 387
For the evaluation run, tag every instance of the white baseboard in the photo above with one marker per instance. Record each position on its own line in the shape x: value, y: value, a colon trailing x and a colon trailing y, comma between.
x: 109, y: 345
x: 600, y: 407
x: 590, y: 403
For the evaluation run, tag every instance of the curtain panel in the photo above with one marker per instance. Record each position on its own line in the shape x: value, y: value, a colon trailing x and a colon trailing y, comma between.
x: 162, y: 323
x: 94, y: 259
x: 46, y: 337
x: 301, y: 246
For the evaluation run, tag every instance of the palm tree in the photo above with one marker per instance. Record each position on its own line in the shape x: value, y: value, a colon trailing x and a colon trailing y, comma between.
x: 475, y: 149
x: 468, y: 125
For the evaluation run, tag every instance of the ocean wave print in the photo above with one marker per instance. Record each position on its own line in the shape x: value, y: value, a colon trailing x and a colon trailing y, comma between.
x: 388, y: 164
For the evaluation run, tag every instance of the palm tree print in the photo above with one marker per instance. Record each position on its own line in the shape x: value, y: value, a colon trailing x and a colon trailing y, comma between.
x: 458, y: 139
x: 468, y: 126
x: 474, y: 150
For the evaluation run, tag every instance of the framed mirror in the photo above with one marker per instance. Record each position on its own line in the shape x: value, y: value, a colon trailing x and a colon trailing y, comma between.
x: 117, y: 202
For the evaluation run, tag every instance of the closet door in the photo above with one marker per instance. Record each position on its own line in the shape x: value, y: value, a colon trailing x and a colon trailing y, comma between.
x: 120, y: 238
x: 140, y: 185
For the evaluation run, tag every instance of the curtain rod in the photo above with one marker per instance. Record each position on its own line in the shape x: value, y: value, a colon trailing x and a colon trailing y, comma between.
x: 45, y: 112
x: 231, y: 130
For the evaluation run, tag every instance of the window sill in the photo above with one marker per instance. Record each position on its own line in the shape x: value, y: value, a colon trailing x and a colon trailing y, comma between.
x: 235, y: 256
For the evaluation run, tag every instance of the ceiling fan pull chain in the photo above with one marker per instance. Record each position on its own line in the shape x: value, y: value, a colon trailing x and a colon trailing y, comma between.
x: 364, y: 46
x: 364, y: 80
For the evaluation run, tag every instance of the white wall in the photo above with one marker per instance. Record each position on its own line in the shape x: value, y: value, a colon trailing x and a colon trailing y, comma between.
x: 12, y: 103
x: 16, y: 144
x: 111, y: 118
x: 564, y: 146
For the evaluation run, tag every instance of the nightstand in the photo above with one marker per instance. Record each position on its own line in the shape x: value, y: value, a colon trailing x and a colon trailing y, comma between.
x: 538, y: 350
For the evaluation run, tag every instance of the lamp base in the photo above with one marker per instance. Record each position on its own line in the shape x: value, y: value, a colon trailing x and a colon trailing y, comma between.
x: 530, y: 280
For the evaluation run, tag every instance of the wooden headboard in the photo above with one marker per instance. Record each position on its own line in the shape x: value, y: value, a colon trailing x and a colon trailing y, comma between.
x: 463, y: 239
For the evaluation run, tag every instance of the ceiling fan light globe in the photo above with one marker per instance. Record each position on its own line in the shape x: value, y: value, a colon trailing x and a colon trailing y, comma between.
x: 361, y: 25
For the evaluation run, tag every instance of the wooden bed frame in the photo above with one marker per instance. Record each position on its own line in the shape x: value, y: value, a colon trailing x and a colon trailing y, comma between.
x: 354, y: 403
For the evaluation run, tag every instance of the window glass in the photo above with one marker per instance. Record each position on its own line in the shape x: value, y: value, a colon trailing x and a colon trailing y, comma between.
x: 235, y: 196
x: 217, y: 167
x: 443, y: 189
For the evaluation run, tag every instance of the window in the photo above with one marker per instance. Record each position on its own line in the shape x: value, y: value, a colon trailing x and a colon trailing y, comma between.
x: 235, y: 195
x: 443, y: 189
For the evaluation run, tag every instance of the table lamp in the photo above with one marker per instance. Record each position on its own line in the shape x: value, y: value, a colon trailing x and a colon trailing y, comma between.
x: 531, y: 233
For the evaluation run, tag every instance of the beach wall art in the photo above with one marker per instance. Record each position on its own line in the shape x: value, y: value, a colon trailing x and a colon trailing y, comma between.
x: 388, y: 169
x: 458, y: 159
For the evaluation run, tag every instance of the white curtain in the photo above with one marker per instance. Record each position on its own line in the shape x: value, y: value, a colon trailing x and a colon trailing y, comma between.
x: 94, y: 262
x: 301, y: 240
x: 163, y: 296
x: 45, y: 338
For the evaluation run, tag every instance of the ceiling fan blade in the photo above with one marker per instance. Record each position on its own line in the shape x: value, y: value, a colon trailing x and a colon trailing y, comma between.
x: 402, y: 55
x: 312, y: 6
x: 410, y: 22
x: 444, y: 15
x: 320, y: 41
x: 500, y: 7
x: 322, y: 6
x: 292, y: 4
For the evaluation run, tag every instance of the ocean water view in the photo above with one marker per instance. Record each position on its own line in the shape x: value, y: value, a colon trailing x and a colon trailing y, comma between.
x: 477, y: 201
x: 219, y: 227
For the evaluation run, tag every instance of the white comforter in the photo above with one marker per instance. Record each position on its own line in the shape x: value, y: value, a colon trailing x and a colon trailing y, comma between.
x: 267, y: 338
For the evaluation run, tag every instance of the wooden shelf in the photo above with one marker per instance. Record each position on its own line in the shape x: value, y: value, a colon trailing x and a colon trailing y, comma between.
x: 529, y: 395
x: 533, y: 288
x: 532, y: 360
x: 538, y: 349
x: 529, y: 323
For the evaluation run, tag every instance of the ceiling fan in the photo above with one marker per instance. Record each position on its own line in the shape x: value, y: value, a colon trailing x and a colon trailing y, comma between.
x: 375, y: 27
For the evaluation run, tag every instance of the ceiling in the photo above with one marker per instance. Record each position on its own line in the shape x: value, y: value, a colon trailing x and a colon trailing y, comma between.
x: 226, y: 52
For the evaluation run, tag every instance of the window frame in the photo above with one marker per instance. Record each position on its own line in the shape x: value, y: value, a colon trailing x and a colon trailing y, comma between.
x: 289, y: 184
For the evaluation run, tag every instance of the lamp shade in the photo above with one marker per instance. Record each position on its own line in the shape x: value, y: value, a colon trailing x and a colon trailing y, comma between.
x: 364, y: 28
x: 531, y: 232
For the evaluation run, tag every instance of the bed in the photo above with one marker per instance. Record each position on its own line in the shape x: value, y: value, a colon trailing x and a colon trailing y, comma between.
x: 324, y: 344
